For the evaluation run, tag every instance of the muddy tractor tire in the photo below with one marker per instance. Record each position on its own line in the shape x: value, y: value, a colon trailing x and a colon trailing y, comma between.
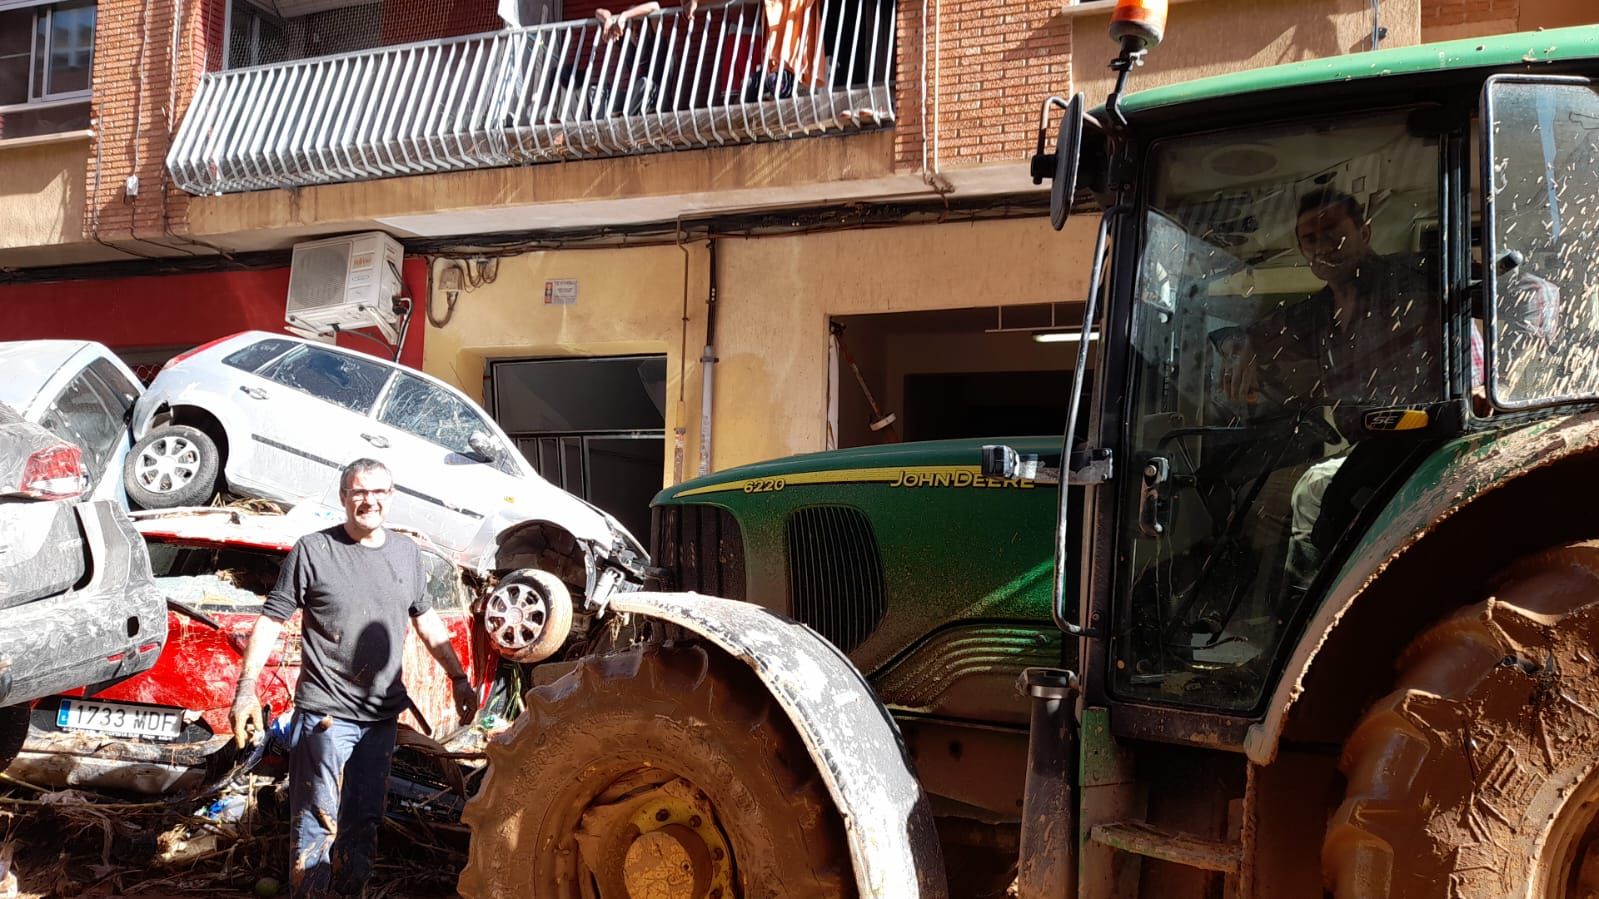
x: 656, y: 773
x: 1479, y: 774
x: 172, y: 466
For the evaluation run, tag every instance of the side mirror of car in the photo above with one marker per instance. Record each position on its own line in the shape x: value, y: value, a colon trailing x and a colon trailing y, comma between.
x: 483, y: 445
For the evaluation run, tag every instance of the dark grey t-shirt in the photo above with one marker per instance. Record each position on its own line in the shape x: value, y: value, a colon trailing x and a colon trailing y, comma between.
x: 358, y: 601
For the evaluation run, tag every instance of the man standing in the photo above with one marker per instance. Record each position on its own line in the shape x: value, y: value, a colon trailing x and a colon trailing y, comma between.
x: 356, y: 583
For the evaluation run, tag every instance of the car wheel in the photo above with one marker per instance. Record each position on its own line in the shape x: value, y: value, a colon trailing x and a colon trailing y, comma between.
x: 528, y: 616
x: 13, y: 732
x: 173, y: 465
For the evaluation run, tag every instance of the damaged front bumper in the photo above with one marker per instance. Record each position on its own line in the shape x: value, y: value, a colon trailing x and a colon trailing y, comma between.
x: 59, y: 759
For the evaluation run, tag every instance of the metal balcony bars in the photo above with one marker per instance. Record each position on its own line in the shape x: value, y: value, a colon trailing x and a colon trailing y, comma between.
x: 542, y: 93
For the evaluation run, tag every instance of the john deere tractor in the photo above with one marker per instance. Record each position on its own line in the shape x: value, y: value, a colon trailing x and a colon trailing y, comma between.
x: 1315, y: 613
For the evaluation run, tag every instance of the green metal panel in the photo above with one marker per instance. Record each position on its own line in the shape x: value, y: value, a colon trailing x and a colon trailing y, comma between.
x: 967, y: 561
x: 1499, y: 51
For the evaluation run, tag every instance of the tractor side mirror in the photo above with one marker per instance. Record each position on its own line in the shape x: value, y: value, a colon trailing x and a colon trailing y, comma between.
x: 1060, y: 166
x: 1000, y: 461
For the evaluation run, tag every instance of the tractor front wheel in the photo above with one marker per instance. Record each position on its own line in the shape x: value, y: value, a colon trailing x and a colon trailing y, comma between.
x: 1479, y: 774
x: 657, y: 773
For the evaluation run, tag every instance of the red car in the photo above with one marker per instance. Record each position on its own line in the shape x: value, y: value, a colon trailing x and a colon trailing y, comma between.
x: 167, y: 729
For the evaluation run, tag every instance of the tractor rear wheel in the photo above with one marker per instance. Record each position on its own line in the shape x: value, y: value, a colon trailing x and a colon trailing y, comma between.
x: 659, y: 773
x: 1479, y: 774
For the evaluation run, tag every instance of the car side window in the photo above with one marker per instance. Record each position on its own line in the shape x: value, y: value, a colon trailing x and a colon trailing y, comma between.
x: 435, y: 415
x: 257, y: 354
x: 120, y: 392
x: 85, y: 413
x: 344, y: 380
x: 444, y: 584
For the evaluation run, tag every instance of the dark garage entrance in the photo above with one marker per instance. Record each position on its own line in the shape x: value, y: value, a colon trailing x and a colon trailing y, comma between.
x: 593, y: 426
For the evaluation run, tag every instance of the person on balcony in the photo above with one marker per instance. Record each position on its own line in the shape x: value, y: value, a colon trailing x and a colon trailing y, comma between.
x: 793, y: 55
x: 612, y: 24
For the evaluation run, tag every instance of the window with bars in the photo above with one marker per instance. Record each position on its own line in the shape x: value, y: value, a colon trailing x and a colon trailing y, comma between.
x: 46, y: 66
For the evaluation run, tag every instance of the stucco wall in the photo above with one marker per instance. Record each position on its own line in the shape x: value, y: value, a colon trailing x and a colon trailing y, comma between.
x: 41, y: 193
x: 777, y: 295
x: 628, y: 301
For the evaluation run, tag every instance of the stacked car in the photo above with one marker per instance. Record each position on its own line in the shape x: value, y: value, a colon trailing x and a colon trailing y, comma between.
x: 78, y: 604
x: 167, y: 729
x: 249, y: 418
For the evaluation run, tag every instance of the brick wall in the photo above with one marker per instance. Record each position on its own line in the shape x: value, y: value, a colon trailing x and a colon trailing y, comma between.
x: 1436, y: 13
x: 149, y: 55
x: 995, y: 62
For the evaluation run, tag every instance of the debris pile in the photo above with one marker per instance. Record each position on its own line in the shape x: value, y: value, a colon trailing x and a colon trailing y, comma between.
x: 229, y: 840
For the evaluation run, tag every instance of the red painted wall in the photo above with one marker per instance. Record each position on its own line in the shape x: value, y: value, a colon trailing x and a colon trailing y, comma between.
x: 176, y: 310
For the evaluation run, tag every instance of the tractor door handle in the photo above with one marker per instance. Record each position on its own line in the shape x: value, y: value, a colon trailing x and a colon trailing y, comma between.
x: 254, y: 393
x: 377, y: 440
x: 1153, y: 507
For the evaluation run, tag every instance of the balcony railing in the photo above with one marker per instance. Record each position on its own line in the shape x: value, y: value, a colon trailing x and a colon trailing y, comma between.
x: 540, y: 94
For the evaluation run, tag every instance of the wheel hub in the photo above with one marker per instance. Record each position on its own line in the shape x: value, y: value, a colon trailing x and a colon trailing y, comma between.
x: 167, y: 464
x: 670, y: 863
x: 659, y: 841
x: 515, y: 616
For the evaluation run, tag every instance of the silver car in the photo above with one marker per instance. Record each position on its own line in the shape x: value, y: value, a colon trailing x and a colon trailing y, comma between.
x: 82, y: 393
x: 77, y: 602
x: 274, y: 416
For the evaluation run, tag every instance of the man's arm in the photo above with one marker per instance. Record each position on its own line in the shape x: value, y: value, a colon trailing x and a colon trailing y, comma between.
x: 436, y: 637
x: 611, y: 24
x: 246, y: 713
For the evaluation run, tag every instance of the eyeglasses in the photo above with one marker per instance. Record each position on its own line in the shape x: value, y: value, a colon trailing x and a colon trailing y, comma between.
x: 359, y: 495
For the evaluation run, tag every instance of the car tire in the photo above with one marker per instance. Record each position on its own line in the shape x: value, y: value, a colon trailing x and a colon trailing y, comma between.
x: 13, y: 732
x: 173, y: 465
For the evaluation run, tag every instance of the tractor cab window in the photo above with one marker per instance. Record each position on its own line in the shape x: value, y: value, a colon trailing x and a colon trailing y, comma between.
x: 1543, y: 212
x: 1286, y: 316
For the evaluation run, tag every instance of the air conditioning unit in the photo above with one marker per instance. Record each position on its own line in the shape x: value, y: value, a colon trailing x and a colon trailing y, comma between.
x: 345, y: 282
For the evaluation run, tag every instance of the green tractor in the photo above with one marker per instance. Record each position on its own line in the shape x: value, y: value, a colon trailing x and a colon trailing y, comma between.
x: 1317, y: 612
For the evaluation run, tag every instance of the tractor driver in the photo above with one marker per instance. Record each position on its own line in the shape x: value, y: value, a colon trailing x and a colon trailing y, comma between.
x: 1367, y: 338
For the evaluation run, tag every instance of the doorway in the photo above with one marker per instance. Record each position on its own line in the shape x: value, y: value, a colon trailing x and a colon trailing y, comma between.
x: 595, y: 427
x: 976, y: 372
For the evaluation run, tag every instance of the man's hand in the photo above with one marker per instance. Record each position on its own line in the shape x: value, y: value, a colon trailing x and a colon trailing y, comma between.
x: 610, y: 25
x: 245, y: 716
x: 465, y: 698
x: 1240, y: 379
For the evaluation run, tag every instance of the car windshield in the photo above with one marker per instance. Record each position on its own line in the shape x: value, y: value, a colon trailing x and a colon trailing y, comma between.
x: 1286, y: 295
x: 217, y: 577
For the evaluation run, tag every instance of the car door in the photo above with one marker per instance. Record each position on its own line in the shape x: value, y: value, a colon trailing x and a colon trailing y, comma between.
x: 302, y: 411
x: 91, y: 410
x: 425, y: 681
x: 443, y: 487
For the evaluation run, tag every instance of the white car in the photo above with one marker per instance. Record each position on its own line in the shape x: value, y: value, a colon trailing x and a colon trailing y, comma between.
x: 274, y: 416
x: 82, y: 393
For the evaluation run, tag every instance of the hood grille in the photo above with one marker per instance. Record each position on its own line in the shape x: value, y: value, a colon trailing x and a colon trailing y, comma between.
x: 701, y: 547
x: 835, y: 574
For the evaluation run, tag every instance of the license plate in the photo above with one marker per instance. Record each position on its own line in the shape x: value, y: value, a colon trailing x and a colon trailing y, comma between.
x: 119, y: 719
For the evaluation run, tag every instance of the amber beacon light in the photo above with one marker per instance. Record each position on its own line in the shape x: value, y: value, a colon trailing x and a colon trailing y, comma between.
x: 1139, y: 22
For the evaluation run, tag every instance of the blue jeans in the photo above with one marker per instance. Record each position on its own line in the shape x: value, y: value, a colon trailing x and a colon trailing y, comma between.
x: 338, y: 778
